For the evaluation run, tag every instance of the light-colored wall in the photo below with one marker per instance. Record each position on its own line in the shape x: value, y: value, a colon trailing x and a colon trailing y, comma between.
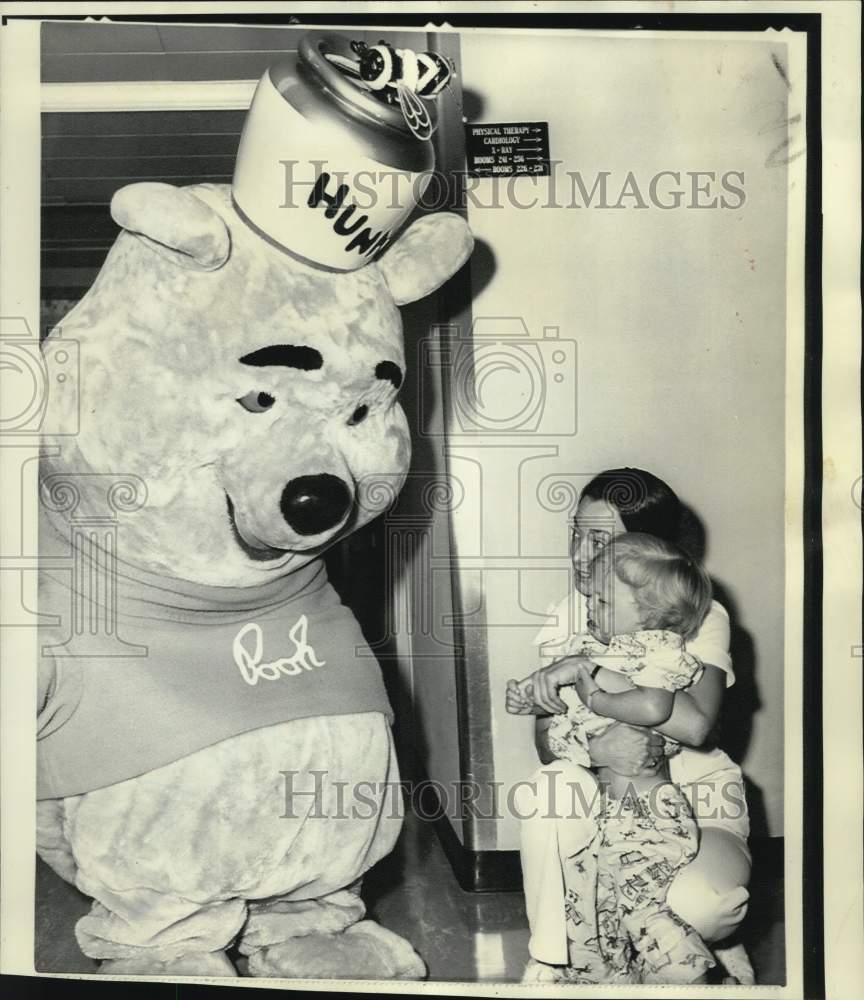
x: 679, y: 320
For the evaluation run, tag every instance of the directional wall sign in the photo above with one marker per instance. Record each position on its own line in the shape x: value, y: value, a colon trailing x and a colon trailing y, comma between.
x: 507, y: 148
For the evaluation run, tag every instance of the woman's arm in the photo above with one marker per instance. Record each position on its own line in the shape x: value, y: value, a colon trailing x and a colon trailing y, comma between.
x: 694, y: 715
x: 695, y: 711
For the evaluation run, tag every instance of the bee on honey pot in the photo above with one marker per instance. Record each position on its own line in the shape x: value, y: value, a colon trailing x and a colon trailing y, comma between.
x: 405, y: 76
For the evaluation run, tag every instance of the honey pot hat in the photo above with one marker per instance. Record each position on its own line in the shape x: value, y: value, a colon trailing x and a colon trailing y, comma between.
x: 328, y: 170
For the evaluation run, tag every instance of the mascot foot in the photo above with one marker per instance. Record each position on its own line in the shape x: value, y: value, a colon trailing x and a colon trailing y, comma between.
x: 202, y: 963
x: 364, y: 951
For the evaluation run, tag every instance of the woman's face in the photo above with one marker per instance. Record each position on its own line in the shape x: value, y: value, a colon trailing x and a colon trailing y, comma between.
x: 596, y: 522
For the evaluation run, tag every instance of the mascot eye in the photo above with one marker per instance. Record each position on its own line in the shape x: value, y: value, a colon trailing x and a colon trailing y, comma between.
x: 256, y: 402
x: 358, y: 416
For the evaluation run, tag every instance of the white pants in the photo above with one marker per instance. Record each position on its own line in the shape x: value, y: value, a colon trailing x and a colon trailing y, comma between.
x: 559, y: 810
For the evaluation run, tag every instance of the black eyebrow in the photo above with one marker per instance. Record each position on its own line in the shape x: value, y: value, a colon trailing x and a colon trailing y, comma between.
x: 307, y: 359
x: 390, y: 371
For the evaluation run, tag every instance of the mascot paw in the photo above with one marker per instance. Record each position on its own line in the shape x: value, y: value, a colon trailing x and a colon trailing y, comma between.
x: 202, y: 963
x: 364, y: 951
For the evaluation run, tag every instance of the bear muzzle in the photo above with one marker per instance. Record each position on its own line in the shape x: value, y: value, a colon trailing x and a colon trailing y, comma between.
x: 310, y: 506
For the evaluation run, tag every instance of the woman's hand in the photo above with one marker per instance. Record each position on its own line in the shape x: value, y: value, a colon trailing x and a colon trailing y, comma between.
x: 547, y: 680
x: 627, y: 750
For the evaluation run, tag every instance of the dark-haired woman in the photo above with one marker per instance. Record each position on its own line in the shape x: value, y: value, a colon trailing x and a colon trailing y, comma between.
x: 710, y: 893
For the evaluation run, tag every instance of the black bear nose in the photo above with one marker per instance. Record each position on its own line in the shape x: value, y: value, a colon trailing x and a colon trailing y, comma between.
x: 312, y: 504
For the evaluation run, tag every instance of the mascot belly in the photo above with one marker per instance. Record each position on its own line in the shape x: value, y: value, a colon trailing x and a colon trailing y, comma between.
x: 216, y: 768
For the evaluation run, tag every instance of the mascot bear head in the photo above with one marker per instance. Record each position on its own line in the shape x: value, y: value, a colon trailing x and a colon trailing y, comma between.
x: 254, y: 394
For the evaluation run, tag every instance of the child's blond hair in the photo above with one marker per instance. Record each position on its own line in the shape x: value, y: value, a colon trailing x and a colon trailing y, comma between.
x: 670, y: 589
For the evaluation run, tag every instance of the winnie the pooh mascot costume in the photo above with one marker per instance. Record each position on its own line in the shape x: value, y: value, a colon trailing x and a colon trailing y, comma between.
x: 225, y: 781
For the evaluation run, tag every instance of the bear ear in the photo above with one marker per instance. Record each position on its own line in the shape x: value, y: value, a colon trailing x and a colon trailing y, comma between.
x: 173, y: 223
x: 430, y: 251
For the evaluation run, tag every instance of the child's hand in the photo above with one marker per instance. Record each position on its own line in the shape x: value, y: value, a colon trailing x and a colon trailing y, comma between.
x: 519, y: 698
x: 585, y: 685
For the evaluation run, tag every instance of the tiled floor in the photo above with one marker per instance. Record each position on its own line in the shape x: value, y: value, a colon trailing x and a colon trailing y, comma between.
x: 462, y: 936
